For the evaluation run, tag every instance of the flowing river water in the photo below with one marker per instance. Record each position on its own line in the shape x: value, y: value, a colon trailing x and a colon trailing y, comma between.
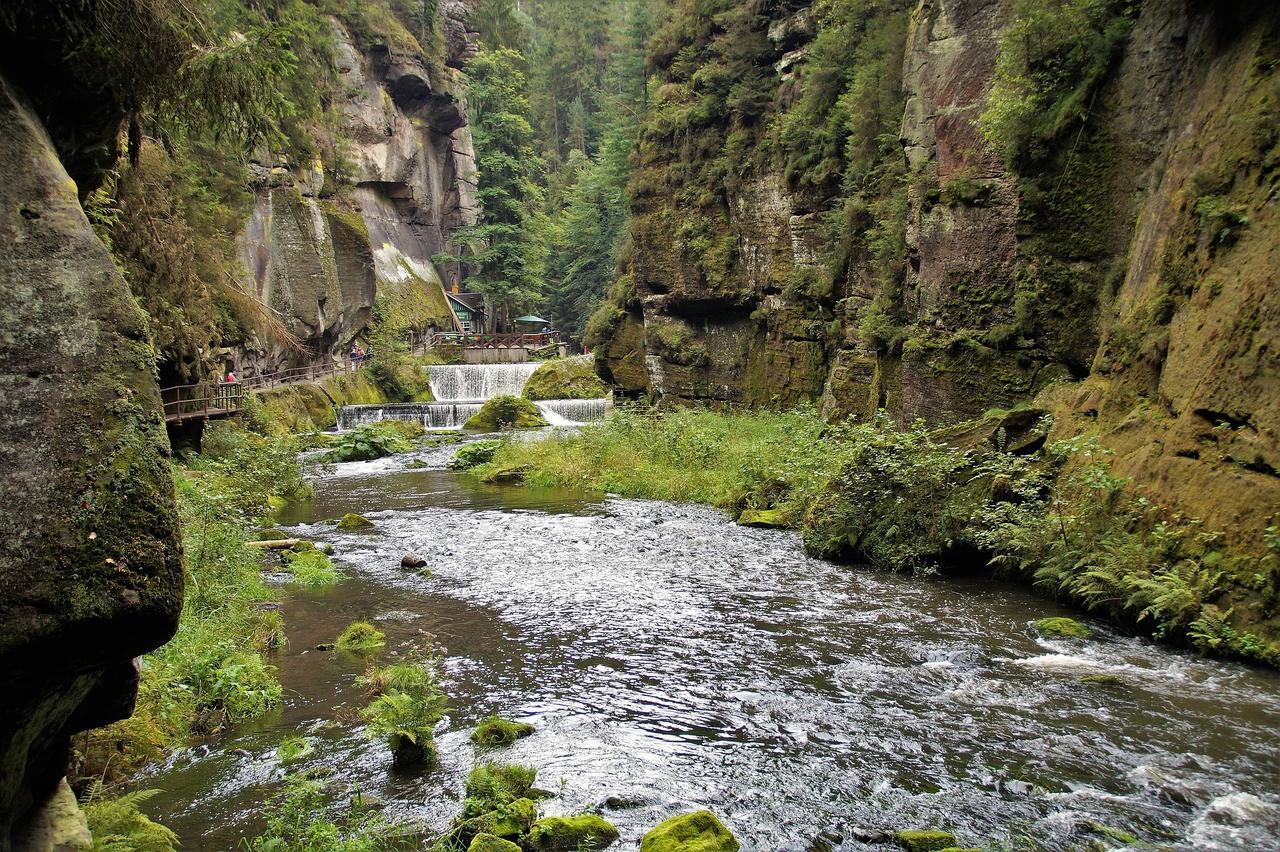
x: 672, y: 659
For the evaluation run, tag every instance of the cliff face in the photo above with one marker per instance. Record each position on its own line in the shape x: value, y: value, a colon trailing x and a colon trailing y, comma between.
x: 319, y: 259
x: 1123, y: 279
x: 90, y: 571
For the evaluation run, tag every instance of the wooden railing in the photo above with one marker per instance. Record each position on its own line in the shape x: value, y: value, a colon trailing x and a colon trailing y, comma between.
x: 494, y: 341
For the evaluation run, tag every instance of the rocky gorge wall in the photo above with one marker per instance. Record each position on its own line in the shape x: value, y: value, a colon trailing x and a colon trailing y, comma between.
x: 91, y: 569
x: 325, y: 240
x: 1123, y: 279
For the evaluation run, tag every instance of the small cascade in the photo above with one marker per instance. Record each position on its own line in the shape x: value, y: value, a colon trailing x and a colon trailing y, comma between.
x: 461, y: 390
x: 570, y: 412
x: 432, y: 415
x: 478, y: 382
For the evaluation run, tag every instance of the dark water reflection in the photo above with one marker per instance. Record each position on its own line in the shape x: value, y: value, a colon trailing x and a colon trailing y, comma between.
x: 670, y: 658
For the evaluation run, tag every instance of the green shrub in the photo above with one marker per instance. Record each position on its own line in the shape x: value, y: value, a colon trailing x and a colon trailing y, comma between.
x: 117, y: 825
x: 474, y: 455
x: 408, y: 704
x: 1052, y: 61
x: 374, y: 441
x: 360, y: 636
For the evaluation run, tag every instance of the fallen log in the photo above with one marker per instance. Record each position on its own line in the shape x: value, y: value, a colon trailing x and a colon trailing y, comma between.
x: 275, y: 544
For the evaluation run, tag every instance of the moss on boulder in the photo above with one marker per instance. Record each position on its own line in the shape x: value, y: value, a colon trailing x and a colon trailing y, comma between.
x: 506, y: 412
x: 700, y: 831
x: 568, y: 834
x: 567, y: 378
x: 917, y: 840
x: 512, y: 820
x: 1062, y: 628
x: 499, y: 731
x: 360, y: 636
x: 491, y: 843
x: 351, y: 522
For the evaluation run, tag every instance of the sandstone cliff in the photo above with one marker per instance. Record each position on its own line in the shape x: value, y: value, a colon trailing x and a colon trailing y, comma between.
x: 91, y: 568
x: 1123, y: 278
x: 325, y: 240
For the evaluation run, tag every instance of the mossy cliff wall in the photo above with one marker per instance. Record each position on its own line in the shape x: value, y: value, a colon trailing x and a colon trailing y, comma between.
x: 1122, y: 271
x: 328, y: 239
x: 91, y: 567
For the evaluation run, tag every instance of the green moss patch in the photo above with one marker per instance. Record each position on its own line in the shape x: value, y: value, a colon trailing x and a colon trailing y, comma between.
x: 1062, y: 628
x: 569, y: 378
x: 351, y: 522
x: 496, y: 730
x: 700, y: 831
x: 506, y: 412
x: 360, y: 636
x: 926, y: 841
x: 568, y: 834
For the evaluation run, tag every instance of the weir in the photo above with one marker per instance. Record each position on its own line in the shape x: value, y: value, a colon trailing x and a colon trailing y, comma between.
x: 462, y: 389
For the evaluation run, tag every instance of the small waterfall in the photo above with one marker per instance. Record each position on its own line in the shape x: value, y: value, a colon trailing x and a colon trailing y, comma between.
x: 570, y: 412
x: 432, y: 415
x: 478, y: 382
x: 460, y: 391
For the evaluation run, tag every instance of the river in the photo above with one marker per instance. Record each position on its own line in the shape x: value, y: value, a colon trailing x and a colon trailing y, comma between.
x: 670, y: 658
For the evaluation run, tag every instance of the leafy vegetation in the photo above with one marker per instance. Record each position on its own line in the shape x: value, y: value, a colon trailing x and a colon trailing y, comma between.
x: 1052, y: 61
x: 312, y: 569
x: 473, y: 455
x: 374, y: 441
x: 407, y: 704
x: 118, y: 824
x: 299, y: 820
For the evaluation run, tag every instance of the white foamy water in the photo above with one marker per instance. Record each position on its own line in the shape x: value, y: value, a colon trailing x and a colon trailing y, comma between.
x: 478, y: 382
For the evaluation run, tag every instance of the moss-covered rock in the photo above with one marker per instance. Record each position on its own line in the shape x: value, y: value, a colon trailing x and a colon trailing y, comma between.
x: 700, y: 831
x: 920, y: 840
x: 568, y: 378
x: 506, y: 412
x: 499, y: 731
x: 91, y: 571
x: 1060, y: 627
x: 568, y: 834
x: 511, y: 820
x: 510, y: 475
x: 491, y: 843
x: 764, y: 518
x: 360, y: 636
x: 1103, y: 679
x: 352, y: 522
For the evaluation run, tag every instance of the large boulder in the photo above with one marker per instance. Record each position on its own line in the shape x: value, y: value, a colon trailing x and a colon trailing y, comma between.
x: 567, y: 378
x: 91, y: 568
x: 570, y: 834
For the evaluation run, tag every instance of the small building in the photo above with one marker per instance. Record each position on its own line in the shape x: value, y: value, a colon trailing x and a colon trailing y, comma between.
x: 470, y: 311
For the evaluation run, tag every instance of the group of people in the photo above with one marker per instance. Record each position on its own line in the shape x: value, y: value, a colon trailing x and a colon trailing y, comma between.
x: 359, y: 354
